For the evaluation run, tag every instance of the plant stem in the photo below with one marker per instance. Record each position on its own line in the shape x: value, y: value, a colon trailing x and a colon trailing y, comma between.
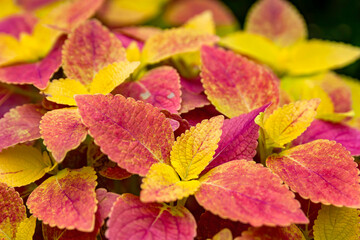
x: 264, y: 152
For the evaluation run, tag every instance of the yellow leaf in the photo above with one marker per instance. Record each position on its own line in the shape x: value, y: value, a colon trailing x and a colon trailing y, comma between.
x: 133, y: 52
x: 334, y: 223
x: 26, y: 229
x: 202, y: 23
x: 8, y: 7
x: 194, y: 149
x: 315, y: 55
x: 224, y: 234
x: 162, y: 184
x: 22, y: 165
x: 111, y: 76
x: 354, y: 85
x: 62, y: 91
x: 10, y: 49
x: 288, y: 122
x: 254, y: 46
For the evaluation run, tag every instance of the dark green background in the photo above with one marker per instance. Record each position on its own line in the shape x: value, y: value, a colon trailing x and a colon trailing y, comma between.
x: 336, y: 20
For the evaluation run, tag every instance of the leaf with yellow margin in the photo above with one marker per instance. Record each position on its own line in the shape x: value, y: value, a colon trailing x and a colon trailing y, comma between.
x: 288, y: 122
x: 337, y: 223
x: 22, y: 165
x: 26, y: 229
x: 203, y: 23
x: 194, y: 149
x: 162, y: 184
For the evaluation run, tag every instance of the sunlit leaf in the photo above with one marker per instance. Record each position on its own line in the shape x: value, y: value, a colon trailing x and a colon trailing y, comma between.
x: 26, y: 229
x: 203, y: 23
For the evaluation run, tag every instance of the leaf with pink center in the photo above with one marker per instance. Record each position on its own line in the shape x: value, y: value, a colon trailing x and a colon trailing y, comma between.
x: 12, y: 212
x: 38, y: 73
x: 191, y: 101
x: 238, y: 139
x: 230, y: 79
x: 20, y: 124
x: 291, y: 232
x: 16, y: 24
x: 159, y: 87
x: 174, y: 41
x: 321, y: 170
x: 277, y: 20
x: 96, y: 45
x: 248, y: 192
x: 66, y: 200
x: 62, y: 131
x: 132, y: 133
x: 132, y: 219
x: 347, y: 136
x: 105, y: 201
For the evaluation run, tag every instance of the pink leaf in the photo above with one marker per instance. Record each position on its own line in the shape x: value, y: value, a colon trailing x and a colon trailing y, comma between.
x: 132, y: 219
x: 132, y: 133
x: 190, y: 101
x: 238, y: 139
x: 62, y: 131
x: 17, y: 24
x: 269, y: 233
x: 9, y: 99
x: 230, y: 81
x: 38, y: 73
x: 321, y: 170
x: 159, y: 87
x: 248, y: 192
x: 105, y: 201
x: 66, y: 200
x: 96, y: 45
x: 20, y: 124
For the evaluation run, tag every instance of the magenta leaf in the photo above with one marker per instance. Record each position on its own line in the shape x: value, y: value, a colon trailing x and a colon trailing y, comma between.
x: 348, y: 137
x: 17, y: 24
x: 132, y: 219
x: 159, y: 87
x: 105, y: 201
x: 132, y: 133
x: 20, y: 124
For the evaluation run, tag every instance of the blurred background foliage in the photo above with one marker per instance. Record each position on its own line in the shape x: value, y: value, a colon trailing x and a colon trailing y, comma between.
x: 335, y: 20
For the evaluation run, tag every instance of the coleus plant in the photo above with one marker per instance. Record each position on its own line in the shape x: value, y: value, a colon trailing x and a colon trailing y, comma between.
x: 141, y: 132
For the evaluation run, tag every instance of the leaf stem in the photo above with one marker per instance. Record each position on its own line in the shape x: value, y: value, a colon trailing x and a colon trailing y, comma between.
x: 263, y: 151
x: 182, y: 201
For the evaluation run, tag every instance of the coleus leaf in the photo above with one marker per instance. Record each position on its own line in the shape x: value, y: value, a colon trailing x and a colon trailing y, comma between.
x: 238, y: 139
x: 224, y: 234
x: 12, y: 213
x: 73, y: 191
x: 16, y: 24
x: 9, y: 99
x: 347, y: 136
x: 141, y: 33
x: 31, y: 5
x: 337, y: 223
x: 26, y: 229
x: 105, y: 202
x: 174, y: 41
x: 130, y: 218
x: 159, y: 87
x: 229, y: 81
x: 288, y: 122
x: 21, y: 165
x: 321, y: 170
x: 62, y: 131
x: 162, y: 184
x: 38, y: 73
x: 248, y: 192
x: 291, y: 232
x: 354, y: 88
x: 277, y: 20
x: 194, y: 149
x: 20, y: 124
x: 9, y: 8
x: 202, y: 22
x: 114, y: 121
x: 96, y: 45
x: 133, y: 53
x: 190, y: 101
x: 62, y: 91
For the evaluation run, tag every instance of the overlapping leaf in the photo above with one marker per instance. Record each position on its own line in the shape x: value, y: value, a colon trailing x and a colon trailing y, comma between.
x: 16, y: 24
x: 22, y: 165
x: 194, y: 149
x: 12, y: 213
x: 347, y: 136
x: 277, y: 20
x: 133, y: 134
x: 203, y: 22
x: 247, y: 192
x: 62, y: 131
x: 321, y: 170
x: 26, y: 229
x: 224, y: 234
x: 130, y: 218
x: 66, y: 200
x: 159, y: 87
x: 229, y: 81
x: 238, y: 139
x: 162, y: 184
x: 96, y: 45
x: 20, y: 124
x: 174, y: 41
x: 337, y: 223
x: 288, y: 122
x: 105, y: 201
x: 268, y: 233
